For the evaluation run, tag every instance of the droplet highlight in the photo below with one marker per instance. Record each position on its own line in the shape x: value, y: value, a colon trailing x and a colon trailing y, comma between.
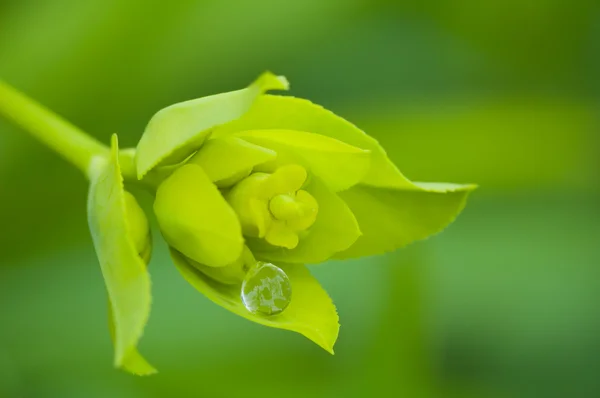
x: 266, y: 290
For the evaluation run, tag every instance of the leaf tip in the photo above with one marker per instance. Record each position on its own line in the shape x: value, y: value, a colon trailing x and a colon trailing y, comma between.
x: 269, y: 81
x: 114, y: 140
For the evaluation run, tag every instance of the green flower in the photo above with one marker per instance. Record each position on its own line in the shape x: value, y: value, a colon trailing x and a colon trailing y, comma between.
x: 249, y: 189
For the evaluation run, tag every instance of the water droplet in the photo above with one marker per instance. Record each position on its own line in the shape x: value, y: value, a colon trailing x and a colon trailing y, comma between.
x: 266, y: 289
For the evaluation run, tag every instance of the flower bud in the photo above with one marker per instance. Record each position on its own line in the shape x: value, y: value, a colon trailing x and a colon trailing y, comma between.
x: 250, y: 188
x: 195, y: 219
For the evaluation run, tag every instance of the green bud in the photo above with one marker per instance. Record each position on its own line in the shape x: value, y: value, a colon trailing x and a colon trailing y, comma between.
x: 260, y: 185
x: 195, y: 219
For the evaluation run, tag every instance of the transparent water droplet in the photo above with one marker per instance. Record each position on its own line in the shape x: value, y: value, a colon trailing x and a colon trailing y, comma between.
x: 266, y: 289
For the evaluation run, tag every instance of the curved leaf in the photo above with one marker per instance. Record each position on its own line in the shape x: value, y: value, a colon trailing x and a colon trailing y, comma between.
x: 125, y: 275
x: 335, y: 230
x: 310, y: 312
x: 133, y: 362
x: 195, y: 219
x: 176, y: 131
x: 289, y: 113
x: 391, y: 218
x: 336, y: 163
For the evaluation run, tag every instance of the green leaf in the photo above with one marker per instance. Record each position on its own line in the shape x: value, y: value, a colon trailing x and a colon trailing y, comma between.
x: 176, y: 131
x: 335, y: 230
x: 127, y: 280
x: 289, y: 113
x: 391, y: 210
x: 310, y: 312
x: 133, y: 362
x: 226, y: 158
x: 195, y: 219
x: 391, y: 218
x: 336, y: 163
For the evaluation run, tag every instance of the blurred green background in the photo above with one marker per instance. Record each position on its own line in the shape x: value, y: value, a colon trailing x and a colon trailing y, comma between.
x: 503, y: 93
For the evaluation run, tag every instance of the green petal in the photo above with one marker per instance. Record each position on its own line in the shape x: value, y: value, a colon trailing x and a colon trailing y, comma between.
x: 392, y: 218
x: 127, y: 280
x: 289, y: 113
x: 175, y: 132
x: 229, y: 157
x: 310, y: 313
x: 335, y: 230
x: 195, y: 219
x: 338, y: 164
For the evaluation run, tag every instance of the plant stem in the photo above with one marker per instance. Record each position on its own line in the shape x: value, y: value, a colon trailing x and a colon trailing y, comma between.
x: 67, y: 140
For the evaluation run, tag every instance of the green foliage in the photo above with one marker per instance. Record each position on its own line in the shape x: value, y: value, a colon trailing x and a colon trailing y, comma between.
x: 272, y: 112
x: 242, y: 179
x: 502, y: 93
x: 391, y: 218
x: 115, y: 235
x: 391, y: 210
x: 310, y: 313
x: 176, y: 131
x: 338, y: 164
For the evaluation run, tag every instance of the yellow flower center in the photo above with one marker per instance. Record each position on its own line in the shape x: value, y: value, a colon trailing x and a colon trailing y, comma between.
x: 285, y: 207
x: 273, y: 207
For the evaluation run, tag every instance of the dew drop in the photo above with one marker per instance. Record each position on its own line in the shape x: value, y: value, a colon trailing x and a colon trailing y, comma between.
x: 266, y: 289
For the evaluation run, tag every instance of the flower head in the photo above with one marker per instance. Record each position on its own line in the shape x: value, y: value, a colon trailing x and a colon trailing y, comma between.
x: 249, y: 189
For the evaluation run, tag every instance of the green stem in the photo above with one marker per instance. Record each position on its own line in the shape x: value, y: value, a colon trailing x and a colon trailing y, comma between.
x: 67, y: 140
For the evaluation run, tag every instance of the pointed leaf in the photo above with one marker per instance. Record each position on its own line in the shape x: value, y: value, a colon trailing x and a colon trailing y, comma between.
x: 127, y: 280
x: 335, y: 230
x: 175, y: 132
x: 336, y: 163
x: 310, y: 312
x: 289, y: 113
x: 391, y: 218
x: 195, y: 219
x: 133, y: 362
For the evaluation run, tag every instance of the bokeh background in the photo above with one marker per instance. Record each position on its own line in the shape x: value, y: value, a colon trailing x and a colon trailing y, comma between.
x: 503, y: 93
